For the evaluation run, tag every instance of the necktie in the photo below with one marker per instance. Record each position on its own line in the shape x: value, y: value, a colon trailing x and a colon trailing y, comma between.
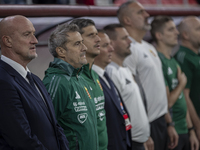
x: 114, y: 90
x: 30, y: 78
x: 117, y: 94
x: 109, y: 81
x: 112, y: 87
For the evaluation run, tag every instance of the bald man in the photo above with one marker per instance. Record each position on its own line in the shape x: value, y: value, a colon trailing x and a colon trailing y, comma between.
x: 26, y: 111
x: 189, y: 60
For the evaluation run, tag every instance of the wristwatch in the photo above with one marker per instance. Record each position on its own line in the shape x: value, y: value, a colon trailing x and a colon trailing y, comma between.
x: 170, y: 124
x: 191, y: 128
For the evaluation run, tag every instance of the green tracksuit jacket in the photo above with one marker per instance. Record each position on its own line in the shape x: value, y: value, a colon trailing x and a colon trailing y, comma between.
x: 92, y: 79
x: 74, y: 105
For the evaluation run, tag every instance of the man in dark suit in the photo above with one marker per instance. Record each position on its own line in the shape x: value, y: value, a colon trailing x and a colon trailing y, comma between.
x: 118, y: 123
x: 26, y: 111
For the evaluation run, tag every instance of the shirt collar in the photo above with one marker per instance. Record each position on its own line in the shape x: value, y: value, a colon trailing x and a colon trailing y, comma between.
x: 134, y: 41
x: 187, y: 50
x: 98, y: 70
x: 114, y: 64
x: 87, y: 71
x: 19, y: 68
x: 66, y: 67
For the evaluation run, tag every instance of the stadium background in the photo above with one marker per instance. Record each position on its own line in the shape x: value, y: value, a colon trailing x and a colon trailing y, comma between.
x: 46, y: 17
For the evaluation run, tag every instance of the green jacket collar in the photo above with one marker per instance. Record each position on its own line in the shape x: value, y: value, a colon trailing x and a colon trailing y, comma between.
x: 162, y: 56
x: 65, y: 67
x: 87, y: 71
x: 187, y: 50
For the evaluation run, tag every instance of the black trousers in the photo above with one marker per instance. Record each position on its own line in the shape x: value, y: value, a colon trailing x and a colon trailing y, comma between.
x: 137, y: 146
x: 159, y: 133
x: 183, y: 142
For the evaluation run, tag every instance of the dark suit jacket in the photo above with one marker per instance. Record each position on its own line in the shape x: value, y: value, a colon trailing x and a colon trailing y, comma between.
x: 114, y: 120
x: 26, y: 123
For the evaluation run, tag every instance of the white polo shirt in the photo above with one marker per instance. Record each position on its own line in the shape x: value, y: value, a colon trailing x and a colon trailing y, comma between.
x: 129, y: 90
x: 145, y: 62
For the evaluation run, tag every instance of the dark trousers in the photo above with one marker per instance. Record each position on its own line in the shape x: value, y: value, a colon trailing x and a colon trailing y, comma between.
x: 183, y: 142
x: 137, y: 146
x: 159, y: 133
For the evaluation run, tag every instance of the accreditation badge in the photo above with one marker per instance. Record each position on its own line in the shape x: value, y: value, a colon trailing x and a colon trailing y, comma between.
x: 127, y: 122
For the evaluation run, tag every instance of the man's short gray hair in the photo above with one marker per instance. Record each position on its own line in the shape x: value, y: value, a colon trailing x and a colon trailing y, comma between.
x: 123, y: 10
x: 58, y: 37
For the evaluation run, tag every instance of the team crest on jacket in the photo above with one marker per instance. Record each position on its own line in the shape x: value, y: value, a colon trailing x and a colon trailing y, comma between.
x: 169, y: 71
x: 77, y: 95
x: 87, y: 92
x: 152, y: 53
x: 82, y: 117
x: 99, y: 85
x: 101, y: 115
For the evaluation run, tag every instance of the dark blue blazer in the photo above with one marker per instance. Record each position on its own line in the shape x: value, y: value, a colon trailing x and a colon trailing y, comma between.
x: 114, y: 120
x: 26, y: 123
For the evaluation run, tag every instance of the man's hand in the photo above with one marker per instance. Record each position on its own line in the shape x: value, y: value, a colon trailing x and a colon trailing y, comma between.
x: 149, y: 144
x: 173, y: 137
x: 198, y: 134
x: 182, y: 79
x: 193, y: 141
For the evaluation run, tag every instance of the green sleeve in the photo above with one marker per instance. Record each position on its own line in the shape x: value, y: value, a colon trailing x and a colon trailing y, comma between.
x: 59, y: 90
x: 165, y: 76
x: 187, y: 67
x: 164, y: 69
x: 58, y: 94
x: 61, y: 103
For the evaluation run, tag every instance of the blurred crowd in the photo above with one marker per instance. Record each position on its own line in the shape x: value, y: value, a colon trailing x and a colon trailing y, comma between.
x: 78, y: 2
x: 100, y: 2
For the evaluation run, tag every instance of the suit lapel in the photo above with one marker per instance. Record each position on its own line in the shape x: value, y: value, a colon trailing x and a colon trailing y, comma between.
x: 49, y: 110
x: 31, y: 90
x: 113, y: 97
x: 25, y: 85
x: 44, y: 93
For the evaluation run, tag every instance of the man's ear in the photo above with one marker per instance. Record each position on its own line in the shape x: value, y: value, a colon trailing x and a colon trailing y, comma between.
x: 185, y: 35
x: 158, y: 35
x: 60, y: 52
x: 7, y: 41
x: 127, y: 20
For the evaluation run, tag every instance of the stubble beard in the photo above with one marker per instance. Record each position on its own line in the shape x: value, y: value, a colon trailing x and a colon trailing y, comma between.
x: 31, y: 57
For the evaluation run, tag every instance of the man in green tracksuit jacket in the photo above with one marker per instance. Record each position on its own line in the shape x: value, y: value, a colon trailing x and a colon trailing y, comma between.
x: 189, y: 59
x: 165, y: 34
x: 92, y: 79
x: 92, y: 41
x: 72, y: 97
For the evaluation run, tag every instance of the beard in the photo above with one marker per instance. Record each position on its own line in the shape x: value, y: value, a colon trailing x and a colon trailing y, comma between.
x: 30, y: 56
x: 196, y: 44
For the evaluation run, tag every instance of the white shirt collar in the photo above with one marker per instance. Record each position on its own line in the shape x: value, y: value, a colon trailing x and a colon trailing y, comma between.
x: 98, y: 70
x: 134, y: 41
x: 19, y: 68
